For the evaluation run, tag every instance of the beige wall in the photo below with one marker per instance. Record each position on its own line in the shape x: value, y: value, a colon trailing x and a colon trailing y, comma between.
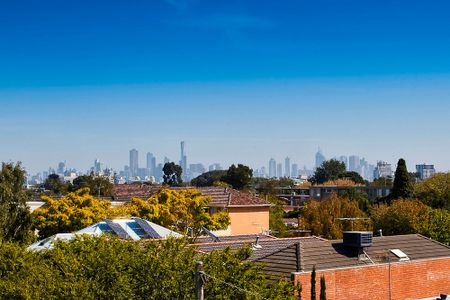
x: 248, y: 220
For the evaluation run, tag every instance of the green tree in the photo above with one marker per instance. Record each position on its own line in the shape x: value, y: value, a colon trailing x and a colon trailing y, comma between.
x: 412, y: 216
x: 239, y: 177
x: 323, y: 292
x: 56, y: 185
x: 108, y: 268
x: 172, y: 174
x: 276, y: 217
x: 353, y: 176
x: 402, y: 187
x: 15, y: 221
x: 328, y: 171
x: 98, y: 185
x: 435, y: 191
x: 209, y: 178
x: 72, y: 212
x: 313, y: 283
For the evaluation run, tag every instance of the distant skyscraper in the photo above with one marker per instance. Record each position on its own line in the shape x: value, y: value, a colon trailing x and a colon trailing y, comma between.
x: 134, y: 162
x: 97, y: 167
x: 183, y: 158
x: 294, y: 171
x: 354, y: 163
x: 61, y: 167
x: 320, y: 158
x: 382, y: 170
x: 287, y: 167
x: 151, y: 163
x: 279, y: 170
x: 425, y: 171
x: 272, y: 168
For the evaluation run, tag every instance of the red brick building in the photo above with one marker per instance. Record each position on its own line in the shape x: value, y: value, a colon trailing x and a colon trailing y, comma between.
x: 421, y: 269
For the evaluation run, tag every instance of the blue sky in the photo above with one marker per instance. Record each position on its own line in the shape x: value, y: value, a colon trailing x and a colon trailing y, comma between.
x: 239, y: 81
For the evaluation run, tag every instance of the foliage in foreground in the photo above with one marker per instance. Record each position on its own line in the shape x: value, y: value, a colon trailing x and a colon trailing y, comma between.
x: 15, y: 221
x: 412, y: 216
x: 98, y: 268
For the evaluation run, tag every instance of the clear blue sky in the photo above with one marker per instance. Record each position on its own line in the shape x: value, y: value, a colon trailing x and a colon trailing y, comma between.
x: 239, y: 81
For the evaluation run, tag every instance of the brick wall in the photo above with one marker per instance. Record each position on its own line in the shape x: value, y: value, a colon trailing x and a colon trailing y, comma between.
x: 408, y: 280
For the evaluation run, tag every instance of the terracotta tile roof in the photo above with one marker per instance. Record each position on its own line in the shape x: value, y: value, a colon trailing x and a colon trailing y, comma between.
x: 220, y: 197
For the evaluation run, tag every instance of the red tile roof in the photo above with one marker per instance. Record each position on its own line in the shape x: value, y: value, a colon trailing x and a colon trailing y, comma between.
x: 220, y: 197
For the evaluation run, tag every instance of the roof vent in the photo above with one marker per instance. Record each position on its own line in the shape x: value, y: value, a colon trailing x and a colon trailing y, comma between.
x: 256, y: 245
x: 358, y: 239
x: 400, y: 254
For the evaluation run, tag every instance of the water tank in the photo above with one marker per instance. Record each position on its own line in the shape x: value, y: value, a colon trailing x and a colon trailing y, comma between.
x: 358, y: 239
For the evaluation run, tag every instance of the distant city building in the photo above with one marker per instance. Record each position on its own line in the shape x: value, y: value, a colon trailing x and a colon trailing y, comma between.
x: 183, y: 159
x: 215, y: 167
x: 382, y: 170
x: 320, y: 158
x: 425, y: 171
x: 151, y: 164
x: 294, y: 171
x: 279, y: 170
x: 354, y: 163
x: 61, y: 168
x: 272, y: 168
x: 97, y: 167
x: 287, y: 167
x: 134, y: 162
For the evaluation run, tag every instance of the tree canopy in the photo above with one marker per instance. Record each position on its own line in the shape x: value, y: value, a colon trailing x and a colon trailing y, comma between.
x: 329, y: 170
x: 15, y: 221
x: 434, y: 191
x: 56, y: 185
x: 107, y: 268
x: 178, y: 210
x: 239, y: 177
x: 209, y: 178
x: 98, y: 185
x: 72, y: 212
x: 321, y: 217
x: 412, y: 216
x: 172, y: 174
x: 402, y: 187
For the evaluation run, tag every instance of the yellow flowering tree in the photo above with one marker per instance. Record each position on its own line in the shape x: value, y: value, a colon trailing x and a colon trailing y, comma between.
x: 70, y: 213
x: 176, y: 209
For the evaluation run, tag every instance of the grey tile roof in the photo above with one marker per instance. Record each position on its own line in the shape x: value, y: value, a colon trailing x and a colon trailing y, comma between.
x: 284, y: 256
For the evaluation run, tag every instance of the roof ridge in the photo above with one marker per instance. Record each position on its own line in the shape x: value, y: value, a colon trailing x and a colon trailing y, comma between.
x: 430, y: 239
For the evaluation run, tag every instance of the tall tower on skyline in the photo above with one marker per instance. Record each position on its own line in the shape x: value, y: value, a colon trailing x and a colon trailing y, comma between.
x: 183, y: 158
x: 151, y: 163
x: 134, y: 162
x: 272, y: 168
x: 320, y: 158
x: 287, y: 167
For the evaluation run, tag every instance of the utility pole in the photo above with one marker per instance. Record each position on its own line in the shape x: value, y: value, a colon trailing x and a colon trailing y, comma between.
x: 199, y: 280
